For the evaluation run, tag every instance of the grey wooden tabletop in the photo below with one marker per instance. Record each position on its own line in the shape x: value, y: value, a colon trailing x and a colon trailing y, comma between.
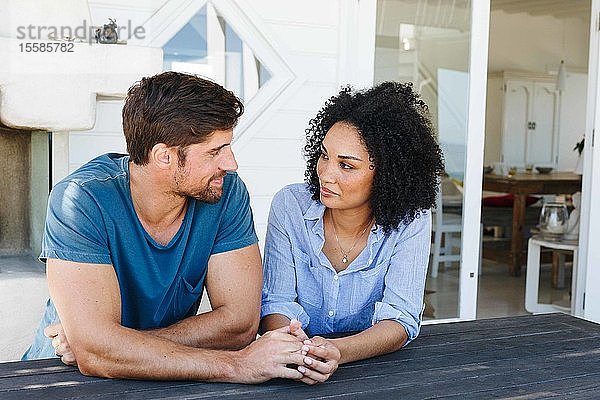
x: 525, y: 357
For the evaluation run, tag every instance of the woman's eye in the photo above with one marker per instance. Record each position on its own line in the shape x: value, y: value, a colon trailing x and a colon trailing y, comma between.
x: 324, y: 156
x: 345, y: 166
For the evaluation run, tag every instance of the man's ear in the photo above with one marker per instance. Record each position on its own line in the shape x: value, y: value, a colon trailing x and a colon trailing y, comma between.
x: 162, y: 156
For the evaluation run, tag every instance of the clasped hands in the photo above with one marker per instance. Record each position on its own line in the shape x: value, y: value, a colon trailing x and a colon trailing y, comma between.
x: 320, y: 357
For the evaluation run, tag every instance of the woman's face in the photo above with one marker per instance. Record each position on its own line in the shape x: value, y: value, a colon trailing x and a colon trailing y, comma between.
x: 344, y: 171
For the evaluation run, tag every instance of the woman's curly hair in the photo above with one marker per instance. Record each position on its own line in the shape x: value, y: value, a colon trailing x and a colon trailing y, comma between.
x: 393, y: 123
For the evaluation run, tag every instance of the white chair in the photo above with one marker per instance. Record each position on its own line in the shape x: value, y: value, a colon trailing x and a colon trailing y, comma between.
x: 444, y: 227
x: 532, y: 282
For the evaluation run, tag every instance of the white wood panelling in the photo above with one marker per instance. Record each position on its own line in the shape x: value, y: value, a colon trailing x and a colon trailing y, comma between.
x: 299, y: 42
x: 103, y: 143
x: 271, y: 151
x: 106, y: 135
x: 319, y: 69
x: 309, y: 97
x: 285, y: 124
x: 267, y: 180
x: 302, y: 38
x: 108, y: 117
x: 295, y: 11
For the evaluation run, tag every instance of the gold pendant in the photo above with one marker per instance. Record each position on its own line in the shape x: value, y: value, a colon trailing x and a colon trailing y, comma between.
x: 344, y: 259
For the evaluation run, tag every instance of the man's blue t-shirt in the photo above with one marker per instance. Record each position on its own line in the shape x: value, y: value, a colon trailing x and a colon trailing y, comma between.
x: 91, y: 219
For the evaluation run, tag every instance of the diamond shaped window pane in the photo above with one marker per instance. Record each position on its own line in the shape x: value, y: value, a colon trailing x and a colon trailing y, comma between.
x: 189, y: 44
x: 212, y: 48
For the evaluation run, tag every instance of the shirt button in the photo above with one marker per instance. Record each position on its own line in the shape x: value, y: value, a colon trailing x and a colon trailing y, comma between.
x: 330, y: 313
x: 335, y: 277
x: 370, y: 261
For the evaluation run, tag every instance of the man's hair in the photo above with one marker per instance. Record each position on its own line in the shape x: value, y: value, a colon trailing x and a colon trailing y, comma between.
x: 175, y: 109
x: 393, y: 124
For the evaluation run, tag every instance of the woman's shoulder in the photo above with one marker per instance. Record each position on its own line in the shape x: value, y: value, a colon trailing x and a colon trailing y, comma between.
x: 421, y: 221
x: 297, y: 191
x: 295, y: 195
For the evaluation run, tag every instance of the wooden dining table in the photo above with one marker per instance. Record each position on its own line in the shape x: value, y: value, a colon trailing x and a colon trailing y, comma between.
x: 521, y: 185
x: 523, y: 357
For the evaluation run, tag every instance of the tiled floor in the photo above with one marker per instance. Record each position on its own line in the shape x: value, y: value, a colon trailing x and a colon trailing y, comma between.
x: 499, y: 293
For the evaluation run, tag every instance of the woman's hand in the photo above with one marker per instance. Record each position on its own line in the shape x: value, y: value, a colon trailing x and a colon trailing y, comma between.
x: 321, y: 360
x: 60, y: 343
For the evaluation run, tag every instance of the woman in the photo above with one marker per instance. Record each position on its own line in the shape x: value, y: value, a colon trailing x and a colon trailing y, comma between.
x: 348, y: 250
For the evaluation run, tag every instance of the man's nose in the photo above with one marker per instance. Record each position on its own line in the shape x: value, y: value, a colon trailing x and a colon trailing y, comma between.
x: 229, y: 162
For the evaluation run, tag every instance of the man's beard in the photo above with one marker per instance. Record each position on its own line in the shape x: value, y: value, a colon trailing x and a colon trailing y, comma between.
x: 208, y: 194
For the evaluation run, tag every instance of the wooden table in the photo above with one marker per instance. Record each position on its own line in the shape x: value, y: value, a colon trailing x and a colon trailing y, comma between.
x: 522, y: 357
x: 521, y: 185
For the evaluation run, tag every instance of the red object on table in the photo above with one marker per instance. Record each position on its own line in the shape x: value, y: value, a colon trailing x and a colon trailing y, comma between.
x: 506, y: 200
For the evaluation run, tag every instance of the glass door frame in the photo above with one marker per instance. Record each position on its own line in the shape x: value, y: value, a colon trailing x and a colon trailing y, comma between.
x: 358, y: 55
x: 588, y: 275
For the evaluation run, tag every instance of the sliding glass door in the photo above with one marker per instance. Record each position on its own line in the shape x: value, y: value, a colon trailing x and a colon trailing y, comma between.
x: 441, y: 47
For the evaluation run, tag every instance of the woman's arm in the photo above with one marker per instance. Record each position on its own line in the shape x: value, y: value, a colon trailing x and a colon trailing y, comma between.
x: 279, y: 305
x: 326, y: 354
x: 383, y: 337
x: 273, y: 321
x: 397, y: 317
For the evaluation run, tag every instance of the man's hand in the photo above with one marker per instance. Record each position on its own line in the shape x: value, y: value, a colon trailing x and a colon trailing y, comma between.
x: 269, y: 356
x: 61, y: 345
x: 321, y: 360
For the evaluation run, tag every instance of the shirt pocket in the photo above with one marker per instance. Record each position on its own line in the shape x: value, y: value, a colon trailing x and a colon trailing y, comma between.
x: 309, y: 282
x: 367, y: 286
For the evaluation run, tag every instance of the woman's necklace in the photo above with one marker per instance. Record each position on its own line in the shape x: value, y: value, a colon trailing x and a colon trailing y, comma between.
x: 346, y: 253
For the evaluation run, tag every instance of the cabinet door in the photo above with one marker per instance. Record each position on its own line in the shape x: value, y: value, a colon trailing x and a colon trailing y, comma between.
x: 542, y: 139
x: 517, y: 100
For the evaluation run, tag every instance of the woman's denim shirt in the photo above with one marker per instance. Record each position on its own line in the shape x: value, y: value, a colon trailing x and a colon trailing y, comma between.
x: 385, y: 282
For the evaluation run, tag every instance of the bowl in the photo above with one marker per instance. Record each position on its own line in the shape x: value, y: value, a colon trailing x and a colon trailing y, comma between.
x: 487, y: 169
x: 544, y: 170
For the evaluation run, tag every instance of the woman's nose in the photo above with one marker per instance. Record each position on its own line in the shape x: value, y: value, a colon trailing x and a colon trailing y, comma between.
x: 325, y: 172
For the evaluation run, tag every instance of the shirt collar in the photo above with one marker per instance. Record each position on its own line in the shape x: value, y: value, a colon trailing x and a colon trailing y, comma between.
x: 315, y: 211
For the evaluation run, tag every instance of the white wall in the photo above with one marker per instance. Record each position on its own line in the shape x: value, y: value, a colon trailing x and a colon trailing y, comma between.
x: 307, y: 36
x: 521, y: 42
x: 534, y: 44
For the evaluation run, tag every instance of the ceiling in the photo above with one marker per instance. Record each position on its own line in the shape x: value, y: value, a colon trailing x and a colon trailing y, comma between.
x: 555, y: 8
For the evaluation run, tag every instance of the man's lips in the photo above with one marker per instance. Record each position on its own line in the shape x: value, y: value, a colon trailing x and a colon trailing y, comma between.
x: 217, y: 181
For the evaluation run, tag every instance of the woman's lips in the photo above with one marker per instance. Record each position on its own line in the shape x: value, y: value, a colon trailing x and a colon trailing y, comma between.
x: 327, y: 193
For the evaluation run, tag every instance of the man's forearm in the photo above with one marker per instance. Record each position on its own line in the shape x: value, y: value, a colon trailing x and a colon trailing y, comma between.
x: 217, y: 329
x: 127, y: 353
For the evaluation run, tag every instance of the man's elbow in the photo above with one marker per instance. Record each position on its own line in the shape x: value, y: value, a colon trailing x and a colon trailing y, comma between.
x: 91, y: 359
x: 90, y: 364
x: 244, y: 334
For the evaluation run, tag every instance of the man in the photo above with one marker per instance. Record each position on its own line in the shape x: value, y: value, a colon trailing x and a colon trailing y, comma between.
x: 131, y: 241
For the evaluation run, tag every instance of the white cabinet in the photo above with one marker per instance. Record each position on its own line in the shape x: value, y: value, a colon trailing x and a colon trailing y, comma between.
x: 530, y: 123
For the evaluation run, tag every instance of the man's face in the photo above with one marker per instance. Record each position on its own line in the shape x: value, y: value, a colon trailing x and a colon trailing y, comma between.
x: 206, y: 164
